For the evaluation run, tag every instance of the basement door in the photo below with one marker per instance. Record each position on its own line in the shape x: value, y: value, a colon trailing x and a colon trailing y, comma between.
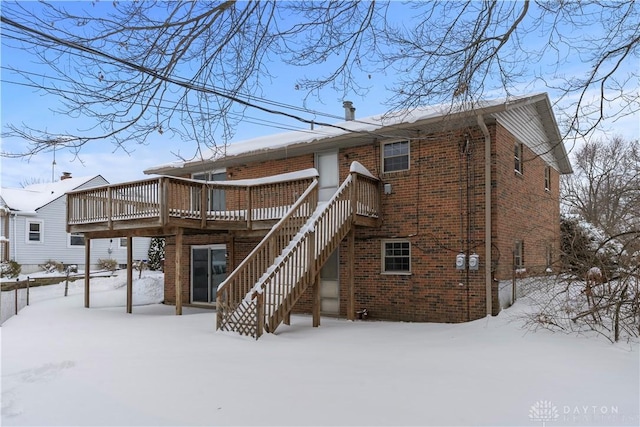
x: 208, y: 270
x: 329, y: 180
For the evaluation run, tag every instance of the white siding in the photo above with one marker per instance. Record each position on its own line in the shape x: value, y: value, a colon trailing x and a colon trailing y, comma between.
x: 55, y: 245
x: 526, y: 125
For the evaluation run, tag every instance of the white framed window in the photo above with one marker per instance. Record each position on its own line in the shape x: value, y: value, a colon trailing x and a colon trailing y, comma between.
x: 547, y: 178
x: 518, y: 254
x: 35, y: 231
x: 76, y: 239
x: 122, y: 242
x: 395, y: 156
x: 396, y: 256
x: 517, y: 157
x: 217, y: 198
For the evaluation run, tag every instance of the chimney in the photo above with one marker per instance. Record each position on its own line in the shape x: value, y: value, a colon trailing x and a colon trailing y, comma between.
x: 65, y: 175
x: 349, y: 111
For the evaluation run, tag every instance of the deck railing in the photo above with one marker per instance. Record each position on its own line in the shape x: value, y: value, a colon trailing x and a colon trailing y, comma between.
x: 167, y: 199
x: 263, y: 289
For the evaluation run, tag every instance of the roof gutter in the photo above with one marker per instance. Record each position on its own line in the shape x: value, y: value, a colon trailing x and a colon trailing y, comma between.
x: 24, y: 213
x: 488, y: 279
x: 310, y: 146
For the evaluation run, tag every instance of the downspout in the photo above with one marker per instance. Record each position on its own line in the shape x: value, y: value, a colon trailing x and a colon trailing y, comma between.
x: 487, y: 214
x: 15, y: 237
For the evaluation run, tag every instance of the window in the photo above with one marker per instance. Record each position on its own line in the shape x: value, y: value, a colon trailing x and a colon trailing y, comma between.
x: 76, y: 239
x: 518, y: 157
x: 122, y: 242
x: 216, y: 196
x: 547, y: 178
x: 396, y: 256
x: 34, y: 232
x: 549, y: 255
x: 518, y: 255
x: 395, y: 156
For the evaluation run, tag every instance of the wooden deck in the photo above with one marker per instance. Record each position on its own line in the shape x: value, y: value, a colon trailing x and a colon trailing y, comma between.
x: 278, y: 207
x: 160, y: 205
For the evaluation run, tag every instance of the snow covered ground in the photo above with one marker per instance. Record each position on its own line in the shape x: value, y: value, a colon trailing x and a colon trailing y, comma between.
x: 63, y: 364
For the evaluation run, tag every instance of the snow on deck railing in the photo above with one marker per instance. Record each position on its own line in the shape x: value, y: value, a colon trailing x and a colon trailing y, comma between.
x: 237, y: 285
x: 166, y: 197
x: 269, y: 284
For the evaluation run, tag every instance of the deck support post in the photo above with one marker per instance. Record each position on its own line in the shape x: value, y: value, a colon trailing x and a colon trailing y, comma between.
x: 316, y: 300
x: 314, y: 274
x: 87, y: 268
x: 178, y: 278
x: 351, y: 300
x: 129, y: 274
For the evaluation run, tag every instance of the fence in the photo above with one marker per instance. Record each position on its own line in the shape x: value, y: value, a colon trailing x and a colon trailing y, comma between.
x: 521, y: 282
x: 11, y: 302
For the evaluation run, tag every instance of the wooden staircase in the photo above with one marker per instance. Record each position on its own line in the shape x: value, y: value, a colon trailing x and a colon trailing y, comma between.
x: 260, y: 294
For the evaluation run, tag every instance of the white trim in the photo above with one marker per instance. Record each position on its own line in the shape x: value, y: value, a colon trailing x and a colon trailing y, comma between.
x: 210, y: 172
x: 27, y: 223
x: 547, y: 178
x: 519, y: 157
x: 120, y: 245
x: 383, y: 244
x: 382, y: 157
x: 70, y: 246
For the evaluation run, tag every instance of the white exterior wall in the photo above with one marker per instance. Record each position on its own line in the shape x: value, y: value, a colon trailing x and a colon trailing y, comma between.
x: 55, y: 242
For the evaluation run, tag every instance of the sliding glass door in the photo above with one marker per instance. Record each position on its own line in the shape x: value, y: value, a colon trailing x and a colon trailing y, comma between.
x: 208, y: 270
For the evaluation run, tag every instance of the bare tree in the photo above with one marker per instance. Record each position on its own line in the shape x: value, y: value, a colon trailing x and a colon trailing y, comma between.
x: 193, y: 68
x: 599, y: 287
x: 605, y: 187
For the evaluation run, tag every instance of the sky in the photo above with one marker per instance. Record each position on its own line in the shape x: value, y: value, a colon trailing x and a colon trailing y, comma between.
x: 102, y: 366
x: 24, y: 105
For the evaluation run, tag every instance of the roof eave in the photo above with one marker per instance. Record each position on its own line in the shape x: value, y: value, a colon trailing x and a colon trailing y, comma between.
x: 347, y: 139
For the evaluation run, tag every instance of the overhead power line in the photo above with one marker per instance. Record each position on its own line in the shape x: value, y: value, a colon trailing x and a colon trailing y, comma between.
x: 168, y: 79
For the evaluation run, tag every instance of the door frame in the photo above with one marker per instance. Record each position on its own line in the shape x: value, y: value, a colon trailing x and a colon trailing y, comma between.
x: 209, y: 247
x: 337, y: 169
x: 336, y: 154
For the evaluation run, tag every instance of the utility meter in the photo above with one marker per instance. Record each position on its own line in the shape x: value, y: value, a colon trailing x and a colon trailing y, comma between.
x: 474, y: 261
x: 460, y: 261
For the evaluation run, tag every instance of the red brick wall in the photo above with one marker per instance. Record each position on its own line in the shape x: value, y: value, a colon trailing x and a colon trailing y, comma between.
x: 237, y: 250
x: 425, y: 207
x: 437, y: 205
x: 525, y: 210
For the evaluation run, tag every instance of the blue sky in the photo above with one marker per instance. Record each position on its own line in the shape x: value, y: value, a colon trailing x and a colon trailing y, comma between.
x: 20, y: 104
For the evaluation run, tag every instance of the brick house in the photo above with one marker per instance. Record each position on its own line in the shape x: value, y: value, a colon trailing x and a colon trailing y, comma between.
x: 422, y: 241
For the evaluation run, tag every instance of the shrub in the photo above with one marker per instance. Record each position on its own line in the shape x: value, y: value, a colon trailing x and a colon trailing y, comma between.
x: 10, y: 269
x: 108, y: 264
x: 51, y: 266
x: 139, y: 265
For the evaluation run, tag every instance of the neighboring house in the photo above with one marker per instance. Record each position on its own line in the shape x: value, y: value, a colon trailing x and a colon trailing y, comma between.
x: 421, y: 214
x: 33, y: 228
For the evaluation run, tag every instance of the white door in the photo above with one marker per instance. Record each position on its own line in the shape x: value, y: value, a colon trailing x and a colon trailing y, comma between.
x: 330, y: 286
x: 329, y: 180
x: 327, y: 166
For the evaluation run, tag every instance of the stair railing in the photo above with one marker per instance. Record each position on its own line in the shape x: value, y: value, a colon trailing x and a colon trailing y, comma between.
x: 300, y: 249
x: 284, y: 282
x: 239, y: 283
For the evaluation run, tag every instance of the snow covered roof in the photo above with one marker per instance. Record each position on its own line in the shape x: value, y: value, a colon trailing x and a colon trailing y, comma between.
x: 383, y: 126
x: 32, y: 197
